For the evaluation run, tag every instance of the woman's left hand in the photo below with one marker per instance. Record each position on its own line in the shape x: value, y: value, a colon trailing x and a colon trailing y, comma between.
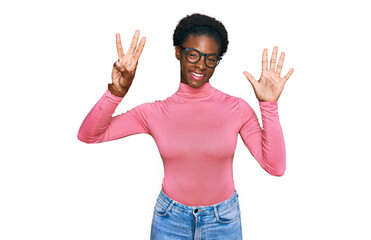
x: 270, y: 85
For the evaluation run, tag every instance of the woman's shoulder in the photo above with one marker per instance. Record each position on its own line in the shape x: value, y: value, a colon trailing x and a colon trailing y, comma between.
x: 155, y: 104
x: 234, y: 100
x: 226, y: 97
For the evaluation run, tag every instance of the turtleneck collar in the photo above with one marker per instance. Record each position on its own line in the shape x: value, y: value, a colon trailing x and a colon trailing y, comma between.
x: 187, y: 92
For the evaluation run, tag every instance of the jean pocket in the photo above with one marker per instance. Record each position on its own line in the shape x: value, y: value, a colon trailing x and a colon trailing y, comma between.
x: 229, y: 214
x: 160, y: 208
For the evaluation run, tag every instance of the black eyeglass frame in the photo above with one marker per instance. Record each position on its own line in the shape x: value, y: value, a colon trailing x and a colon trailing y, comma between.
x: 202, y: 54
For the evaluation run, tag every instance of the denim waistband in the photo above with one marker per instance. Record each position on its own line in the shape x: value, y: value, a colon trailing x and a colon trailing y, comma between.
x: 211, y: 209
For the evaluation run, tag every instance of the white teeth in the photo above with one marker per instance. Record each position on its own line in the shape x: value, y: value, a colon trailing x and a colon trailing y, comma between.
x: 197, y: 75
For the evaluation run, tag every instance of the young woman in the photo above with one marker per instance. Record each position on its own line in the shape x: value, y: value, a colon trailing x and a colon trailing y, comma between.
x: 196, y: 131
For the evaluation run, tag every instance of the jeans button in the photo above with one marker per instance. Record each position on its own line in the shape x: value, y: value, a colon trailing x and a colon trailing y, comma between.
x: 196, y: 210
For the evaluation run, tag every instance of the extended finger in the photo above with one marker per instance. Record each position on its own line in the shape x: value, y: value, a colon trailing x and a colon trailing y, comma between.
x: 134, y: 43
x: 288, y: 75
x: 273, y: 59
x: 250, y: 78
x: 265, y: 59
x: 280, y: 63
x: 139, y: 50
x: 120, y: 51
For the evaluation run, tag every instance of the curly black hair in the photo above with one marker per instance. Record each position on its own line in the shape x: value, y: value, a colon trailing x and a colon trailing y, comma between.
x: 199, y: 24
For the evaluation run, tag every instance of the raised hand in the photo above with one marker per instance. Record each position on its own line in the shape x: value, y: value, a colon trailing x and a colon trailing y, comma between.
x: 270, y: 85
x: 124, y: 68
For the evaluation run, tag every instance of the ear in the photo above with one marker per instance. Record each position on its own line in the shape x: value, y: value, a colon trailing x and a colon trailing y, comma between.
x: 177, y: 53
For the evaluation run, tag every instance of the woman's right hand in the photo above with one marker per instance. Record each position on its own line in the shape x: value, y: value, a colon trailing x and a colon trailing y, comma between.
x: 124, y: 68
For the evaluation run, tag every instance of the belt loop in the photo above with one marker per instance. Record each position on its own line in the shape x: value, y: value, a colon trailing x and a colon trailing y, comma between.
x: 170, y: 206
x: 216, y: 212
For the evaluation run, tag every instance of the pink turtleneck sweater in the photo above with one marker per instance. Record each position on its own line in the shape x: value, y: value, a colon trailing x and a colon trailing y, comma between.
x: 195, y: 130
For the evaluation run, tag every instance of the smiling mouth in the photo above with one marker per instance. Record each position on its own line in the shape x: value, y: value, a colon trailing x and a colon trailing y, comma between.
x: 197, y: 76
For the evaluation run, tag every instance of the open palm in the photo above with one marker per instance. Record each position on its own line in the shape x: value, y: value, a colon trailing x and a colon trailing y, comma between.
x: 270, y: 85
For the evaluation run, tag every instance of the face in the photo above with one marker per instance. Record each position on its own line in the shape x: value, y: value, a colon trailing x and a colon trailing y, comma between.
x: 196, y: 74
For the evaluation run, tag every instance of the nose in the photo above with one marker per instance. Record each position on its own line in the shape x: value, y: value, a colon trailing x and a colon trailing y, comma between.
x: 201, y: 63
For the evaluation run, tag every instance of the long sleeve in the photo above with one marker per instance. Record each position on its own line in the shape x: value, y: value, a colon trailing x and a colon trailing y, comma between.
x: 99, y: 125
x: 267, y: 145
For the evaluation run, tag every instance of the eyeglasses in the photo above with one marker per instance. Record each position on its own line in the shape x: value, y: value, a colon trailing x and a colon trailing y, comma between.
x: 193, y: 56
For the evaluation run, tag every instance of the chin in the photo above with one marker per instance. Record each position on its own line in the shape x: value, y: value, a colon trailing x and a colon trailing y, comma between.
x: 196, y: 83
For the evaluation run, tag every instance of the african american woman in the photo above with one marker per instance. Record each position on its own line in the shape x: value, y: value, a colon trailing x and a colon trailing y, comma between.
x: 195, y: 130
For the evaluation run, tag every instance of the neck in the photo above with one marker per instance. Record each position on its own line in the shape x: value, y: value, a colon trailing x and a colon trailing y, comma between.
x: 187, y: 92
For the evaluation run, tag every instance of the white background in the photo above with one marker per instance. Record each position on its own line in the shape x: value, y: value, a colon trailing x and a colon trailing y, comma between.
x: 56, y: 60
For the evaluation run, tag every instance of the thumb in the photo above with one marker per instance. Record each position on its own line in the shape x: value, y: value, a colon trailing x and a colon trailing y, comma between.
x: 117, y: 64
x: 251, y: 79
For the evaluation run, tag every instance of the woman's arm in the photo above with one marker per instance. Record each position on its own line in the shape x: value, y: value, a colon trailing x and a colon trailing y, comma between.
x: 267, y: 145
x: 99, y: 125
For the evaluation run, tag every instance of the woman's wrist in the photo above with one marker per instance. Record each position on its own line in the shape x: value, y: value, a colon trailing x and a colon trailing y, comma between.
x: 116, y: 91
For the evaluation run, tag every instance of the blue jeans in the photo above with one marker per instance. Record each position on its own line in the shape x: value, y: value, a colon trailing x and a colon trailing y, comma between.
x: 175, y: 221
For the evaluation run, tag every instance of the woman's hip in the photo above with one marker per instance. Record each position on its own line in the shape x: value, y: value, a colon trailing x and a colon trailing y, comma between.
x: 173, y: 220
